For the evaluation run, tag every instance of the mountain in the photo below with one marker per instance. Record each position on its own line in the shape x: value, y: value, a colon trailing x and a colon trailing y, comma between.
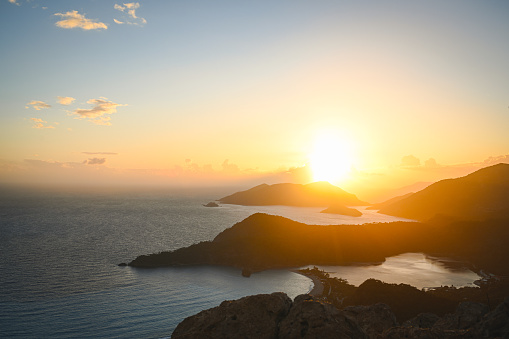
x: 264, y: 241
x: 311, y: 195
x: 388, y: 202
x: 481, y: 195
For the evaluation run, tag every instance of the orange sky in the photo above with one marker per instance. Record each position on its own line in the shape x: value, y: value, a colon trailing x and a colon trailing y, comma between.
x: 224, y: 93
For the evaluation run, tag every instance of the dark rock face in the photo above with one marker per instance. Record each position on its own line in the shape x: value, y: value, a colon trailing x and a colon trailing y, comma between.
x: 309, y: 318
x: 373, y: 319
x: 467, y: 314
x: 254, y: 317
x: 423, y: 320
x: 496, y: 323
x: 275, y: 316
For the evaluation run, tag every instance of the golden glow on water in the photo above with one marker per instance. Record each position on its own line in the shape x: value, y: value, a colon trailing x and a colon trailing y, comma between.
x: 331, y: 157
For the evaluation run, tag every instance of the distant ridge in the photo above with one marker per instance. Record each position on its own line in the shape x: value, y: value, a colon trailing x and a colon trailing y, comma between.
x: 483, y: 194
x: 317, y: 194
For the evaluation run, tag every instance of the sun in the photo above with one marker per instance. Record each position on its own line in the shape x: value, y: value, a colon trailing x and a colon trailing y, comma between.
x: 331, y: 158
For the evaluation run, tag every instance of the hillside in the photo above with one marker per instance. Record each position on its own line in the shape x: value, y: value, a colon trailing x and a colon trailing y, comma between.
x: 481, y: 195
x: 264, y: 241
x: 318, y: 194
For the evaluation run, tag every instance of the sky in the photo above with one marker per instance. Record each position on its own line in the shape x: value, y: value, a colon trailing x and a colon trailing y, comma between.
x: 219, y: 92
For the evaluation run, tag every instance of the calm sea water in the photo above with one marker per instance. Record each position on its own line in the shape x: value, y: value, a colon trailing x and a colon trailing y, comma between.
x: 59, y: 253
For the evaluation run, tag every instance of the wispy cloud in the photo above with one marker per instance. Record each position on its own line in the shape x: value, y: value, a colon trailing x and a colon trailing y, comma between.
x: 39, y: 123
x: 99, y: 114
x: 37, y: 105
x: 73, y: 19
x: 130, y: 18
x: 100, y: 153
x: 14, y: 2
x: 65, y: 100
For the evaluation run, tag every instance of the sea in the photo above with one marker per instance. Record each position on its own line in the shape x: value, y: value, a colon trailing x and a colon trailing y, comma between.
x: 60, y: 250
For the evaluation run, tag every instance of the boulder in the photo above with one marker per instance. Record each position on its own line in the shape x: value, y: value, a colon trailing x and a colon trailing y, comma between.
x: 254, y: 317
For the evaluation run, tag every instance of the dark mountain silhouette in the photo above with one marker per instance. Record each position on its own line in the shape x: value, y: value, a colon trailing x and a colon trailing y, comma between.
x: 481, y: 195
x: 264, y: 241
x: 315, y: 194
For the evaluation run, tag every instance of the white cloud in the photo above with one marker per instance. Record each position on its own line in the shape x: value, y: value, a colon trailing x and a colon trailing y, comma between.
x: 130, y: 16
x: 73, y: 19
x: 14, y: 2
x: 99, y: 114
x: 39, y: 123
x: 65, y: 100
x: 38, y: 105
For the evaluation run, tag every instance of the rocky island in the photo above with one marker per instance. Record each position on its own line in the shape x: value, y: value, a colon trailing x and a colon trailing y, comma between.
x: 318, y: 194
x: 342, y: 210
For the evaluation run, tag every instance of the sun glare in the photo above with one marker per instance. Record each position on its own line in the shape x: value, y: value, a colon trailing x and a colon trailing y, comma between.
x: 331, y: 158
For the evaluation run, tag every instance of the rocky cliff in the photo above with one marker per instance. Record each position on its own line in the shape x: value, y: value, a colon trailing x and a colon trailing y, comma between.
x: 276, y: 316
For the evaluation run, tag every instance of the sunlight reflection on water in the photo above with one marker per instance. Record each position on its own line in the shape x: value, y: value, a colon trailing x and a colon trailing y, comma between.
x: 410, y: 268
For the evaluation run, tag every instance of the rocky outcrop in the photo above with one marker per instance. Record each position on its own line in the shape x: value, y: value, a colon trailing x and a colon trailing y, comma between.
x: 256, y: 316
x: 467, y: 315
x: 422, y: 320
x: 496, y: 323
x: 211, y: 204
x: 373, y: 319
x: 310, y: 318
x: 276, y: 316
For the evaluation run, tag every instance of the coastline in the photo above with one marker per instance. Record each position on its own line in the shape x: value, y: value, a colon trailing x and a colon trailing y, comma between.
x: 318, y: 287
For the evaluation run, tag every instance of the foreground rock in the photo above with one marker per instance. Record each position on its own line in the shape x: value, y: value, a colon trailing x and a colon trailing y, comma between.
x: 276, y: 316
x: 256, y: 316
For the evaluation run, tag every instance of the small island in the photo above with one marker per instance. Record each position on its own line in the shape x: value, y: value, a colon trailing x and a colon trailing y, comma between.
x: 211, y: 204
x: 342, y: 210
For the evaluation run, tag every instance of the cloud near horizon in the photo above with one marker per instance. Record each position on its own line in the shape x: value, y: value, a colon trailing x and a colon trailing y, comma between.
x: 410, y: 161
x: 100, y: 153
x: 95, y: 161
x: 73, y: 19
x: 130, y: 17
x: 65, y: 100
x: 38, y: 105
x: 99, y: 114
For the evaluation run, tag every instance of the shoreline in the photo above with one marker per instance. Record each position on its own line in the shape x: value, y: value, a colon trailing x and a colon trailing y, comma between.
x: 318, y: 287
